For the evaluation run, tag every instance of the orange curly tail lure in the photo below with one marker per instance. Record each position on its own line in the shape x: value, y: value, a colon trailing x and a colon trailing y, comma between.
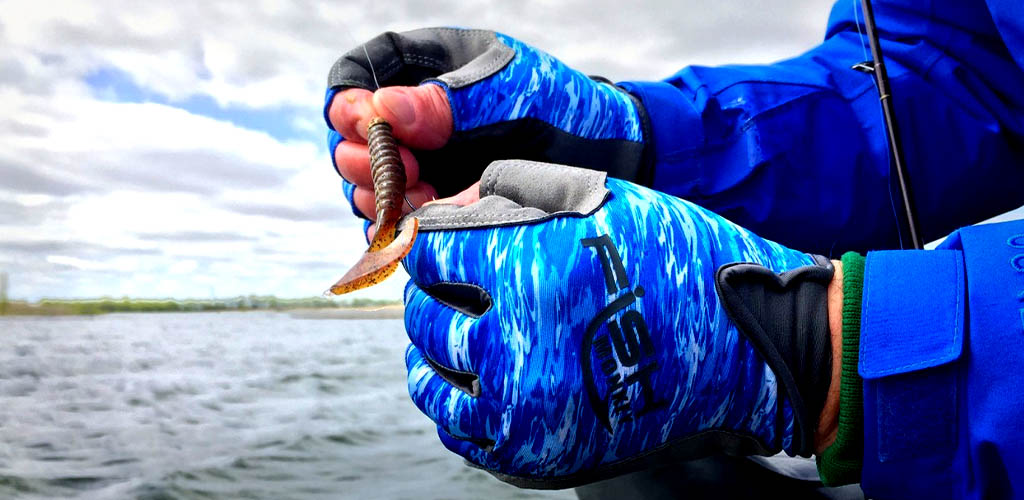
x: 390, y: 243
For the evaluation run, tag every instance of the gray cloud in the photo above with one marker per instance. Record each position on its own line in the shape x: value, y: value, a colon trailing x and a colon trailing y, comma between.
x: 204, y: 259
x: 12, y: 71
x: 119, y: 33
x: 302, y: 38
x: 25, y: 176
x: 647, y: 40
x: 20, y: 128
x: 70, y: 247
x: 28, y: 73
x: 204, y: 172
x: 196, y: 236
x: 324, y: 266
x: 17, y: 214
x: 265, y: 249
x: 314, y: 212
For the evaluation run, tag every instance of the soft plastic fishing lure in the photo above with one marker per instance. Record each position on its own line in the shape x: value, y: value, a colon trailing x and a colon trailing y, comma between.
x: 390, y: 243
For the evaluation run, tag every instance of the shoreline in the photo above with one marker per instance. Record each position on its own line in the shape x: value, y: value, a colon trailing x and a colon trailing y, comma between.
x: 395, y: 311
x: 383, y: 312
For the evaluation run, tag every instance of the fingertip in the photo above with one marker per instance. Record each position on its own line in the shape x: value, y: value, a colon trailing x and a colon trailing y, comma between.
x: 350, y: 112
x: 362, y: 198
x: 353, y: 163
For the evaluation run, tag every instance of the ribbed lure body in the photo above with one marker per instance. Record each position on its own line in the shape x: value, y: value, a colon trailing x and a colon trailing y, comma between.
x: 387, y: 248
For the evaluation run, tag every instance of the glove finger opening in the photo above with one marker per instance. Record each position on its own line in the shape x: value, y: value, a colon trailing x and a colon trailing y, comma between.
x: 466, y: 382
x: 452, y: 409
x: 470, y: 449
x: 444, y: 333
x: 466, y: 298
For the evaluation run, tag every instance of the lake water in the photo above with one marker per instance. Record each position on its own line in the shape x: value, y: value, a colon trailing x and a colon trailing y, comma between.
x: 218, y: 405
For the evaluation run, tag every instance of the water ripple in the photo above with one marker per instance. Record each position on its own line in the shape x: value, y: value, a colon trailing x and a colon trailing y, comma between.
x: 210, y: 406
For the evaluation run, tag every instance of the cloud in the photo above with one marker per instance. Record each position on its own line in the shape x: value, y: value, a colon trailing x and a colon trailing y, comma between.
x: 80, y: 264
x: 317, y: 212
x: 23, y: 176
x: 69, y: 247
x: 196, y: 236
x: 265, y: 53
x: 197, y: 171
x: 112, y: 144
x: 176, y: 149
x: 26, y: 72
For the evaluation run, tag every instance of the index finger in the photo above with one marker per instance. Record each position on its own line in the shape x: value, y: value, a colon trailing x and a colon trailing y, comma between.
x: 350, y: 112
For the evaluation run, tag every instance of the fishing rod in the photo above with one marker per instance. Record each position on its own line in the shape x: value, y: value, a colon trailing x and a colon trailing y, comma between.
x: 889, y: 110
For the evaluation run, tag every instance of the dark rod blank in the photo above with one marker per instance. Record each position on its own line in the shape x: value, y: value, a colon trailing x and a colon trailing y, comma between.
x: 885, y: 96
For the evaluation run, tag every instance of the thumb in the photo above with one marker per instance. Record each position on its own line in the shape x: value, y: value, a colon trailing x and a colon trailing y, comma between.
x: 420, y: 116
x: 468, y: 196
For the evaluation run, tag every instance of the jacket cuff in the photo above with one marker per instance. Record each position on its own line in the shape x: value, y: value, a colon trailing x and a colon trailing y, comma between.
x: 841, y: 462
x: 912, y: 334
x: 677, y: 134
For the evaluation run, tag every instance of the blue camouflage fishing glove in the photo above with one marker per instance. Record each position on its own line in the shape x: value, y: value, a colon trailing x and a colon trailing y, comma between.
x: 508, y: 100
x: 569, y: 327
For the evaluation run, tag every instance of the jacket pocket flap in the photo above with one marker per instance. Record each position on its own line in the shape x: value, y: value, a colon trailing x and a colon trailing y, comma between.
x: 912, y: 314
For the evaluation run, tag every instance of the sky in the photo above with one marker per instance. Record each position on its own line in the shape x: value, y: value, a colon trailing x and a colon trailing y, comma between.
x: 177, y: 149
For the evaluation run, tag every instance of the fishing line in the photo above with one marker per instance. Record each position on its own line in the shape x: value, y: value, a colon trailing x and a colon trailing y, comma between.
x: 856, y: 22
x: 372, y: 71
x: 351, y: 38
x: 881, y: 115
x: 376, y: 83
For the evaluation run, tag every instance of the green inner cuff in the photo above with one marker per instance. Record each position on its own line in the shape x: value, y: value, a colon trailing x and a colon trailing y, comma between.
x: 841, y: 462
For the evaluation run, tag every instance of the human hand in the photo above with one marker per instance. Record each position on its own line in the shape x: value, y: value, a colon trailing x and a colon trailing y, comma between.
x: 566, y: 328
x: 459, y: 99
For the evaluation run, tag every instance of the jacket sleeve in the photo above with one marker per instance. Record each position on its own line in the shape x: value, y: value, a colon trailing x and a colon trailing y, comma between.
x: 941, y: 357
x: 796, y: 150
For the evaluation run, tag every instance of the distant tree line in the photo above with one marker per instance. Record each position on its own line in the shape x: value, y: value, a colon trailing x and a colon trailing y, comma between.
x: 242, y: 303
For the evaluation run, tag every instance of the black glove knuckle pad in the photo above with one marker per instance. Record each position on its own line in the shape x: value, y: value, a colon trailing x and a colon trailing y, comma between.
x: 785, y: 317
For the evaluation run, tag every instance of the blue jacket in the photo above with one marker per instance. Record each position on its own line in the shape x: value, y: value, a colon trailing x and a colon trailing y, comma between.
x: 942, y: 358
x: 796, y: 150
